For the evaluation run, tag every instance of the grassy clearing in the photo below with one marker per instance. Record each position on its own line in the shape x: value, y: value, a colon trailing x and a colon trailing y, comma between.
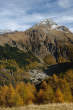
x: 43, y: 107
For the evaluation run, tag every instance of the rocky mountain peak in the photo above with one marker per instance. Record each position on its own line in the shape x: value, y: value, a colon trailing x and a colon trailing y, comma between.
x: 48, y: 22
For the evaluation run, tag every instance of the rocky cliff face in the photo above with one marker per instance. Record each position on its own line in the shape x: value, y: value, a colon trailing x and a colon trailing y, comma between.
x: 49, y: 38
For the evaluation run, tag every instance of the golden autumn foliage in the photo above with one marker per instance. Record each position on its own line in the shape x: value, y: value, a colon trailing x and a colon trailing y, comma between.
x: 49, y: 60
x: 21, y: 90
x: 69, y: 77
x: 40, y: 96
x: 27, y: 92
x: 3, y: 93
x: 62, y: 60
x: 18, y: 96
x: 30, y: 89
x: 65, y: 89
x: 46, y: 93
x: 55, y: 89
x: 44, y: 85
x: 59, y: 96
x: 11, y: 96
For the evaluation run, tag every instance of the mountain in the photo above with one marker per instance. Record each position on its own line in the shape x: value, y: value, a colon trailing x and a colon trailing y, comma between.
x: 42, y: 39
x: 5, y: 31
x: 49, y: 38
x: 28, y: 52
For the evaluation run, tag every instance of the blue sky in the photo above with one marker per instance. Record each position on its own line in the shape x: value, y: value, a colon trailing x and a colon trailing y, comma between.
x: 22, y: 14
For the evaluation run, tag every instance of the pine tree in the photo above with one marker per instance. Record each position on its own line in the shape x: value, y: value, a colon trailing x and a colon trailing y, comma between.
x: 3, y: 93
x: 46, y: 94
x: 11, y: 96
x: 59, y: 96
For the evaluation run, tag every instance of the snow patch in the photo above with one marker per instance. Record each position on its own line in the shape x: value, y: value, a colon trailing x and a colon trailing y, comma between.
x: 54, y: 26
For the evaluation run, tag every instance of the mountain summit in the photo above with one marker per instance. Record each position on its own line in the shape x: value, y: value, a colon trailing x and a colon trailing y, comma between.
x: 49, y: 24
